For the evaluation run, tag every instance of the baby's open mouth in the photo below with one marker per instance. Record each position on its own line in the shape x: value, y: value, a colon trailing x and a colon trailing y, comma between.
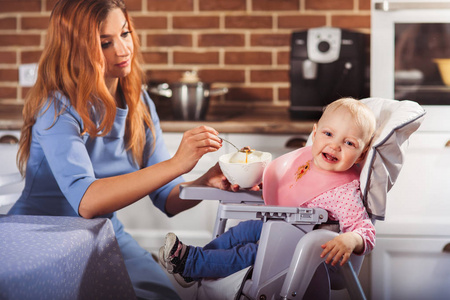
x: 329, y: 157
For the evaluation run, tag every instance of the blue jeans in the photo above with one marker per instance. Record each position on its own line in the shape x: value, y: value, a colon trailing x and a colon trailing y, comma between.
x: 232, y: 251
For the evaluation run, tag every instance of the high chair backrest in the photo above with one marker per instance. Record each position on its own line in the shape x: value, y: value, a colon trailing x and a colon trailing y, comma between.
x: 396, y: 121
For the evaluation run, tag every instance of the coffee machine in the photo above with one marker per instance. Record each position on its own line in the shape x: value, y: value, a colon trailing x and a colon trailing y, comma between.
x: 326, y: 64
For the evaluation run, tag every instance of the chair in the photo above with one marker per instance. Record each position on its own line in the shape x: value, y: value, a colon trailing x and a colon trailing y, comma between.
x: 288, y: 263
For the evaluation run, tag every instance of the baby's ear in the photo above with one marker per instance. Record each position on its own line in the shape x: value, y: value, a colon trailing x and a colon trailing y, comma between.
x: 313, y: 135
x: 362, y: 156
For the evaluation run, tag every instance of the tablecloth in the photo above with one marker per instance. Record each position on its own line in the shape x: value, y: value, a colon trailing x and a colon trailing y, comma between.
x: 46, y: 257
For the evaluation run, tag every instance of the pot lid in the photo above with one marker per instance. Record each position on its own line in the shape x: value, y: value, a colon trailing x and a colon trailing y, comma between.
x: 190, y: 77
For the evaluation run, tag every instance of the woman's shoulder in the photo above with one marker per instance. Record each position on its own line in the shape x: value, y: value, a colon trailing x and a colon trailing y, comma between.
x: 56, y: 106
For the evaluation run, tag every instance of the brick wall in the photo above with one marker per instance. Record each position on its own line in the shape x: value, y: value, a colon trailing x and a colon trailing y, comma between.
x: 240, y: 44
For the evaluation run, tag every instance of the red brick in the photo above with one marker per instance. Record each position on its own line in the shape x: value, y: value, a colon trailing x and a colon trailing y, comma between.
x: 24, y: 91
x: 35, y: 22
x: 50, y: 4
x: 170, y: 5
x: 249, y: 94
x: 20, y: 6
x: 221, y: 40
x: 28, y: 57
x: 283, y: 58
x: 168, y: 76
x: 220, y: 75
x: 351, y: 21
x: 145, y: 22
x: 20, y: 39
x: 153, y: 57
x: 248, y: 58
x: 8, y: 57
x: 196, y: 22
x: 254, y: 22
x: 271, y: 40
x: 185, y: 57
x: 329, y: 4
x: 8, y: 93
x: 301, y: 21
x: 169, y: 40
x: 133, y: 5
x: 8, y: 23
x: 364, y: 4
x: 220, y: 5
x: 284, y: 94
x: 275, y: 5
x: 9, y: 75
x: 269, y: 76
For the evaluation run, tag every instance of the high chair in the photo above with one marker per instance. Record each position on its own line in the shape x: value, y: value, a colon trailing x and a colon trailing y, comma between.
x: 288, y: 263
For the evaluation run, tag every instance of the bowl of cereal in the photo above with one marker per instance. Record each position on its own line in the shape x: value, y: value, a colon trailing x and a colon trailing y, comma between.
x: 244, y: 167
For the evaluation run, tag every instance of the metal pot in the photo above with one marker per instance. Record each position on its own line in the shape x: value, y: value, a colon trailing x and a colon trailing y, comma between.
x: 190, y: 101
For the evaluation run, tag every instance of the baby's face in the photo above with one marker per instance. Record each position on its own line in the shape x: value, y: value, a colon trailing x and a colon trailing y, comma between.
x: 337, y: 142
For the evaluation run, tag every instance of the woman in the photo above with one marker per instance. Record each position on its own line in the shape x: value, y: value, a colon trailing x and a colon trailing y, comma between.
x: 91, y: 143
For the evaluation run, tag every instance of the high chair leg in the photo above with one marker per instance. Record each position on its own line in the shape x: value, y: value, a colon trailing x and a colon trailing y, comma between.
x: 304, y: 263
x: 351, y: 280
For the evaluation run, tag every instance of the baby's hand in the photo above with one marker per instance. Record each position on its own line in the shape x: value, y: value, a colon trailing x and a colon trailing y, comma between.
x: 341, y: 247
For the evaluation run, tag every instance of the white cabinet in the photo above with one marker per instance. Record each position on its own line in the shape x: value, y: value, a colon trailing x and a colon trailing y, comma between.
x: 409, y: 261
x: 413, y: 268
x: 8, y: 151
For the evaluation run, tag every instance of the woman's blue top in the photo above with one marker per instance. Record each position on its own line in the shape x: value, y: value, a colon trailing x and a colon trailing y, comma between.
x: 63, y: 163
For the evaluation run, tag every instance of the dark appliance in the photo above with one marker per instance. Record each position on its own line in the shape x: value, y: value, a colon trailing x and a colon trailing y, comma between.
x: 326, y: 64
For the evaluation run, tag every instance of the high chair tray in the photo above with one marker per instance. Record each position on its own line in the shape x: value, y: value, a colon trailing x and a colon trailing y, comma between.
x: 294, y: 215
x: 245, y: 204
x: 200, y: 192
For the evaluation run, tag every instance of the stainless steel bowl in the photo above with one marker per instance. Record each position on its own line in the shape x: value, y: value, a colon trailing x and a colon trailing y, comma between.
x: 190, y: 101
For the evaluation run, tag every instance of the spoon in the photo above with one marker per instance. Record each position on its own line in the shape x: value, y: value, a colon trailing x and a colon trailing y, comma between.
x: 229, y: 143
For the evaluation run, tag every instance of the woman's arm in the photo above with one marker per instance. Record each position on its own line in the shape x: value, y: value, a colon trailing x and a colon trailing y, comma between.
x: 107, y: 195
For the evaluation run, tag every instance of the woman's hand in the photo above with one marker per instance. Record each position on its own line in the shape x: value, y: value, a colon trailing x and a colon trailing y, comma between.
x: 194, y: 144
x: 341, y: 247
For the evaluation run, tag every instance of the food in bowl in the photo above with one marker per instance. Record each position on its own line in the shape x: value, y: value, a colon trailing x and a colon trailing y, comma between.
x: 244, y: 168
x: 246, y: 155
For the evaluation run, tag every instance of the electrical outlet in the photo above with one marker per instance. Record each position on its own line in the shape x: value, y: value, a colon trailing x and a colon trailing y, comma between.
x: 27, y: 74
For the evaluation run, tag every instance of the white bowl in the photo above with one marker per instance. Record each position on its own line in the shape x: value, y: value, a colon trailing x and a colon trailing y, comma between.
x: 246, y: 175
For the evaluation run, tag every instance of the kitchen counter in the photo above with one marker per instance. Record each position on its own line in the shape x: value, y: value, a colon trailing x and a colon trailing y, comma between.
x: 270, y: 120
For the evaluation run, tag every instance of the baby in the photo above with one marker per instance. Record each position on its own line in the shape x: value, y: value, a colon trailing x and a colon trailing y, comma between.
x: 326, y: 175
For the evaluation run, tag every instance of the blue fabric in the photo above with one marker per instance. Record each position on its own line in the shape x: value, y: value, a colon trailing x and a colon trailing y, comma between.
x: 63, y: 164
x: 230, y: 252
x: 45, y: 257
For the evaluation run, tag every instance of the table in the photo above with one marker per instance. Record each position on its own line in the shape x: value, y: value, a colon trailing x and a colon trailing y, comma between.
x: 47, y: 257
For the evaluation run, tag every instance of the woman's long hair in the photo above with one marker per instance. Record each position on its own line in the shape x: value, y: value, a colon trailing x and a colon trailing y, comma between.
x: 72, y: 63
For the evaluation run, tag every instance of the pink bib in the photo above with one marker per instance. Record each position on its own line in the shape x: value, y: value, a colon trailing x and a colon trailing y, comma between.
x: 293, y: 179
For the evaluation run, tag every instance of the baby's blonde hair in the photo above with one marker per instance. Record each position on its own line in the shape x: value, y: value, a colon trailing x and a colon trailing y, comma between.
x: 362, y: 115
